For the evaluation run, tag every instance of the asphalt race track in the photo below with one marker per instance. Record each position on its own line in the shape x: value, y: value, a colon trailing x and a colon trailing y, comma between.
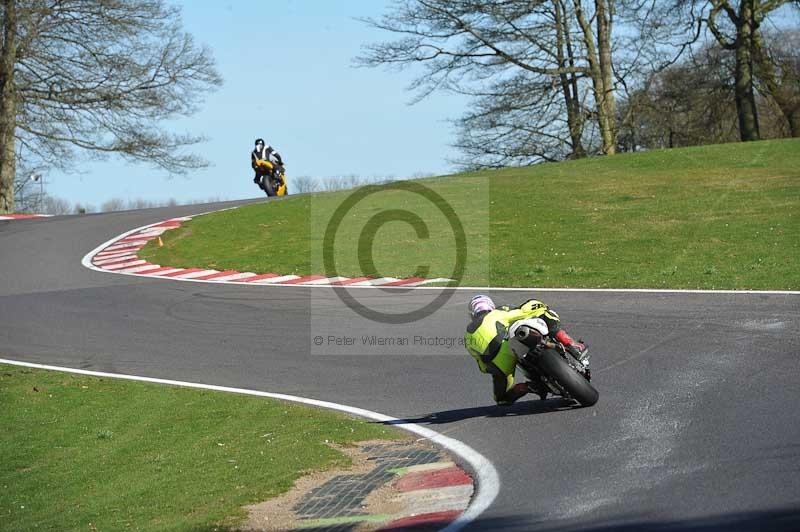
x: 697, y: 427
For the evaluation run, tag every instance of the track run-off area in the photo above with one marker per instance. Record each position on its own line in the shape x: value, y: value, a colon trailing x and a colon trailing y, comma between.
x: 697, y: 427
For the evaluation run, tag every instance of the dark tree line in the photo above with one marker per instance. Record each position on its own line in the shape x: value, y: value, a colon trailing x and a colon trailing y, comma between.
x: 557, y: 79
x: 694, y: 101
x: 736, y: 26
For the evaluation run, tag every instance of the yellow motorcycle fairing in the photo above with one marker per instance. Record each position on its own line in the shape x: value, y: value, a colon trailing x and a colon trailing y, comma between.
x: 268, y: 167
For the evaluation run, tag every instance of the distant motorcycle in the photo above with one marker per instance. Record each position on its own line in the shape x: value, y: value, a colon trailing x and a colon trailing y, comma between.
x: 272, y: 178
x: 549, y: 366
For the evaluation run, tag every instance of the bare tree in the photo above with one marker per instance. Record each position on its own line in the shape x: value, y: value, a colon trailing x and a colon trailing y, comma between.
x: 55, y: 205
x: 738, y: 30
x: 28, y: 194
x: 140, y: 203
x: 778, y: 70
x: 83, y: 208
x: 520, y: 121
x: 685, y: 104
x: 334, y: 183
x: 303, y: 184
x: 355, y: 181
x: 693, y: 101
x: 113, y: 205
x: 96, y: 77
x: 524, y: 63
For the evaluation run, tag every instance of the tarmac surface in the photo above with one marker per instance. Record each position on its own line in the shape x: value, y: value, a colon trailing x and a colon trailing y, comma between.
x: 697, y: 427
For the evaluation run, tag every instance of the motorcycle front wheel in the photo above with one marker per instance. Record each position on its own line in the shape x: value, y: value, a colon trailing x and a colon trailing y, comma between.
x: 269, y: 187
x: 572, y: 382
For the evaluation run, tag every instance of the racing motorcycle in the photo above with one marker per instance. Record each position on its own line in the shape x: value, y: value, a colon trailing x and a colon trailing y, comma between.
x: 548, y: 365
x: 272, y: 178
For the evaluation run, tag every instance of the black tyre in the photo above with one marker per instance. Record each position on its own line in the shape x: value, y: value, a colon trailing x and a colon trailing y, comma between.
x: 269, y: 187
x: 567, y: 378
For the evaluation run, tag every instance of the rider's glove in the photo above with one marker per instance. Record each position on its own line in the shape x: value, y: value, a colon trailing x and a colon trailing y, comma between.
x: 578, y: 350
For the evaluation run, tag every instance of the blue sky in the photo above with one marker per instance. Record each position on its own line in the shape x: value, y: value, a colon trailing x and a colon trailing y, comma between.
x: 287, y: 66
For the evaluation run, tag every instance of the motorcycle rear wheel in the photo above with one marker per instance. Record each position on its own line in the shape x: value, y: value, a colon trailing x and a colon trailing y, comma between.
x: 572, y: 382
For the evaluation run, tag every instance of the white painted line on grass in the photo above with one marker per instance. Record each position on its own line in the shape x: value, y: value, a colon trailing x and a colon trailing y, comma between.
x: 488, y: 481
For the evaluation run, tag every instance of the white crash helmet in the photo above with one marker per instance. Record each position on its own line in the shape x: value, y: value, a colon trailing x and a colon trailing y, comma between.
x: 479, y: 304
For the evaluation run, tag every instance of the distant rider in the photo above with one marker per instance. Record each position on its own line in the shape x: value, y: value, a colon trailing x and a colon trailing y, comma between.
x: 263, y: 152
x: 487, y: 338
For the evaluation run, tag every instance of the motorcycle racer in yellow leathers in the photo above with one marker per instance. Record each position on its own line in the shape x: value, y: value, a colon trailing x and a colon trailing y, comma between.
x: 487, y: 340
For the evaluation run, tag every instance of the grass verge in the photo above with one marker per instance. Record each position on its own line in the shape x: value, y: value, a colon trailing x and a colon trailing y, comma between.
x: 721, y: 216
x: 87, y: 453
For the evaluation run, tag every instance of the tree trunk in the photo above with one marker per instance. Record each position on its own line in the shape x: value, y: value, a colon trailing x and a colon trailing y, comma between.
x: 794, y: 123
x: 569, y: 85
x: 604, y: 98
x: 8, y: 108
x: 786, y: 96
x: 745, y: 93
x: 604, y: 14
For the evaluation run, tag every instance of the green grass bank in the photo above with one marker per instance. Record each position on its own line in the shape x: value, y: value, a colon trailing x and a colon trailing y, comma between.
x: 86, y: 453
x: 711, y: 217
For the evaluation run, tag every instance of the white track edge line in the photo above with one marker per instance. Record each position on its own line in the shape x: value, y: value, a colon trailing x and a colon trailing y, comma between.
x: 488, y: 480
x: 87, y: 262
x: 87, y: 259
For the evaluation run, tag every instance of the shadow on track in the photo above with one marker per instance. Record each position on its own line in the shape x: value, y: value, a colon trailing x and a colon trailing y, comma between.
x: 521, y: 408
x: 782, y: 520
x: 778, y: 520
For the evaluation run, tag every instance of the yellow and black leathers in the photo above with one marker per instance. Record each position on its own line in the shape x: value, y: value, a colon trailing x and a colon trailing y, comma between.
x: 486, y: 340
